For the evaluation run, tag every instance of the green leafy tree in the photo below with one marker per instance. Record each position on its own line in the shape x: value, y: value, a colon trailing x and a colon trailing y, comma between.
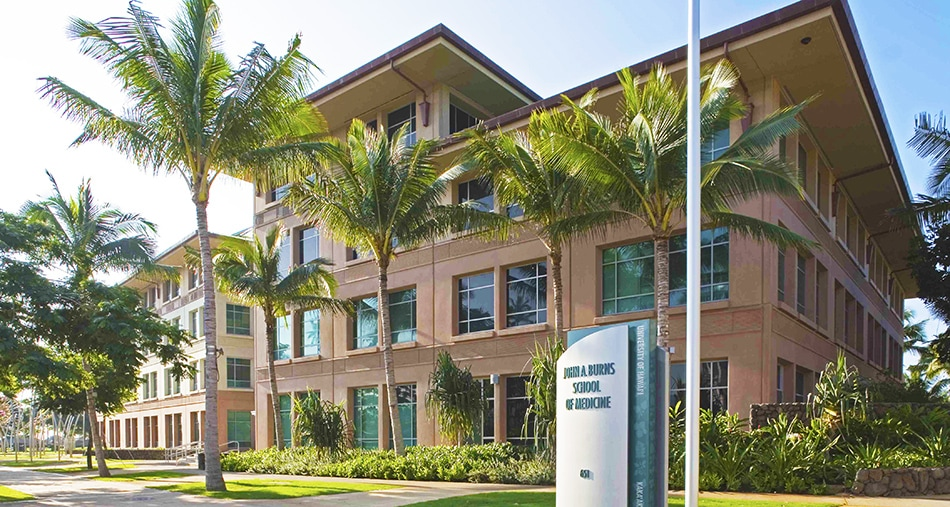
x: 930, y: 267
x: 249, y: 272
x: 557, y: 205
x: 455, y: 397
x: 928, y: 373
x: 639, y: 160
x: 84, y: 238
x: 192, y: 113
x: 377, y: 194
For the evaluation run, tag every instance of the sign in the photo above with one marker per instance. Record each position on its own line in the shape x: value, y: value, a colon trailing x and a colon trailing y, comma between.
x: 606, y: 417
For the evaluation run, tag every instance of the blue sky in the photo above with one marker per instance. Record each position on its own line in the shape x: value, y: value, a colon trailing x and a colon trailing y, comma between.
x: 550, y: 46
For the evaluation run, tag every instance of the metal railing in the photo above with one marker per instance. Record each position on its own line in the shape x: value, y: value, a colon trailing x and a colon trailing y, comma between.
x: 183, y: 451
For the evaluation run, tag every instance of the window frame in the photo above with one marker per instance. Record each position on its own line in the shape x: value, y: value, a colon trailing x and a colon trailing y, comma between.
x: 231, y: 372
x: 540, y: 311
x: 464, y: 322
x: 678, y: 391
x: 614, y: 264
x: 233, y: 311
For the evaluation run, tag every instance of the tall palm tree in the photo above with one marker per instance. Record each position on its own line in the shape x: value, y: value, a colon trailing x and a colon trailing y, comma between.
x: 377, y: 194
x: 526, y: 173
x: 932, y: 141
x: 87, y: 237
x: 249, y: 272
x: 640, y: 161
x: 191, y: 113
x: 929, y: 369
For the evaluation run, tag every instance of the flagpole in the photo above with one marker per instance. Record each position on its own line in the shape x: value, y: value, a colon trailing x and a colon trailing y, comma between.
x: 693, y: 225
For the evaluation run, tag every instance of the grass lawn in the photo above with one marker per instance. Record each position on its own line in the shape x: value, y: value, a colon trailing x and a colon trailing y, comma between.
x: 534, y: 499
x: 25, y: 462
x: 12, y: 495
x: 267, y: 489
x: 77, y: 469
x: 145, y: 476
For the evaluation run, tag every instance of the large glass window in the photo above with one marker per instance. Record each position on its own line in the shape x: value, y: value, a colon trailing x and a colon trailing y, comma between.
x: 398, y: 118
x: 459, y: 119
x: 627, y: 275
x: 153, y: 384
x: 194, y: 376
x: 279, y: 192
x: 406, y: 405
x: 402, y: 319
x: 516, y: 405
x: 308, y: 244
x: 284, y: 337
x: 286, y: 405
x: 476, y: 303
x: 799, y: 386
x: 781, y: 274
x: 800, y: 290
x: 366, y: 418
x: 527, y: 295
x: 238, y: 319
x: 713, y: 148
x: 713, y: 385
x: 485, y: 429
x: 310, y: 333
x: 714, y: 273
x: 239, y: 373
x: 239, y: 428
x: 478, y: 190
x: 196, y: 321
x: 284, y: 258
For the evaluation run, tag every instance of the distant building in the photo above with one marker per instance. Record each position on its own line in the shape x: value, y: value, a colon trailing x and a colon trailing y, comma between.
x: 170, y: 412
x: 771, y: 319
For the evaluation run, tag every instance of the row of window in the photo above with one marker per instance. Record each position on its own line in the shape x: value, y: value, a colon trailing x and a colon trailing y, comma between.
x: 170, y: 289
x: 238, y: 377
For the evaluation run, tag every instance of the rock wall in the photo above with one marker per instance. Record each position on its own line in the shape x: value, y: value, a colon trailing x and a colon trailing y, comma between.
x: 902, y: 482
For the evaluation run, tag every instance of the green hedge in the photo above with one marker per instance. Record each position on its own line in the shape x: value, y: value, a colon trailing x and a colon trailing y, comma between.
x: 498, y: 462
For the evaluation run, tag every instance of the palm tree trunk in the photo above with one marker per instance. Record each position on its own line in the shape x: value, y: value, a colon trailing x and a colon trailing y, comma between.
x: 558, y: 292
x: 661, y: 255
x: 214, y: 480
x: 94, y: 428
x: 270, y: 325
x: 385, y: 331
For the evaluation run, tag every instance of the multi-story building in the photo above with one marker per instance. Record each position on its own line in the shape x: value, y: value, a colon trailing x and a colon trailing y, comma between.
x: 771, y: 319
x: 169, y: 411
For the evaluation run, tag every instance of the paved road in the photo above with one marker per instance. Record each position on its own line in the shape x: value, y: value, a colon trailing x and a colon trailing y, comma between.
x: 62, y: 490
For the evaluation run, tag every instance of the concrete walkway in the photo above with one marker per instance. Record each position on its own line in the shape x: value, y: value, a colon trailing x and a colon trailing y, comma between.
x: 78, y: 489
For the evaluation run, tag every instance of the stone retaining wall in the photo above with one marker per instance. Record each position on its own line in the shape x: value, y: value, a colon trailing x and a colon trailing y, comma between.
x: 902, y: 482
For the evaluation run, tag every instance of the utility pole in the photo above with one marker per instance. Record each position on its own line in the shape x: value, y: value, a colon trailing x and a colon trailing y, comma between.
x: 693, y: 230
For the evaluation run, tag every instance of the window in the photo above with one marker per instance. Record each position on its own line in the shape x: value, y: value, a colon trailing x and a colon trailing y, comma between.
x: 286, y: 406
x: 239, y: 373
x: 194, y: 278
x: 800, y: 289
x: 172, y: 383
x: 239, y: 428
x: 460, y: 119
x: 799, y: 386
x: 713, y: 385
x: 627, y: 276
x: 279, y: 192
x: 310, y: 333
x: 282, y: 346
x: 477, y: 303
x: 308, y: 244
x: 283, y: 260
x: 714, y: 270
x: 781, y: 274
x: 194, y: 376
x: 406, y: 405
x: 803, y: 167
x: 145, y: 388
x: 402, y: 319
x: 237, y: 319
x: 201, y: 374
x: 713, y: 148
x: 516, y: 405
x: 372, y: 125
x: 366, y: 418
x: 527, y: 295
x: 484, y: 431
x: 479, y: 190
x: 402, y: 116
x: 780, y: 384
x: 153, y: 384
x: 172, y: 290
x: 821, y: 295
x: 195, y: 326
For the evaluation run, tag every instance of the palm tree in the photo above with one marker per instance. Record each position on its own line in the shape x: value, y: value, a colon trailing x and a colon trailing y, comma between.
x: 932, y: 141
x: 640, y: 161
x: 456, y: 397
x: 190, y: 112
x: 250, y: 273
x: 377, y: 194
x: 85, y: 238
x: 929, y: 370
x: 525, y: 173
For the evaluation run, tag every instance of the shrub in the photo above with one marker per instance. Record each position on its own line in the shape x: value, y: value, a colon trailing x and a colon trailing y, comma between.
x: 320, y: 423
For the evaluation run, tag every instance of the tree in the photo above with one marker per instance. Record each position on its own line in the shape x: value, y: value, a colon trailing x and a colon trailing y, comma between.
x: 524, y: 172
x: 930, y: 267
x: 931, y: 140
x: 377, y: 194
x: 455, y: 397
x: 541, y: 390
x: 85, y: 237
x: 250, y: 273
x: 320, y: 423
x: 190, y: 112
x: 639, y: 160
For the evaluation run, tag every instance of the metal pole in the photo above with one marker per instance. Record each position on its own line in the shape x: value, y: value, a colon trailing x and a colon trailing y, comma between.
x: 693, y: 225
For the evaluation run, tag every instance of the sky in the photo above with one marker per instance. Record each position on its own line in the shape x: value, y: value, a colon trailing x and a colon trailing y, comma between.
x: 548, y: 45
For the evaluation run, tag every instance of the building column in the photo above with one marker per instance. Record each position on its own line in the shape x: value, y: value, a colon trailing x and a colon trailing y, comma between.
x: 384, y: 426
x: 501, y: 410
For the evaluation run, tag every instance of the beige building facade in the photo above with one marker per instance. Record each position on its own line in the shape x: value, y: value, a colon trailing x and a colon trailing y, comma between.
x: 169, y: 412
x: 770, y: 319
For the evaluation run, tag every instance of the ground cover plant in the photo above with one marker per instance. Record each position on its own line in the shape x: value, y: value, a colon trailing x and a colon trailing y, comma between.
x: 545, y: 499
x: 270, y: 489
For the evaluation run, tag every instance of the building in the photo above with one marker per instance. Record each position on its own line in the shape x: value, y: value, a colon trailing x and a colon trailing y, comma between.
x: 170, y: 412
x: 771, y: 319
